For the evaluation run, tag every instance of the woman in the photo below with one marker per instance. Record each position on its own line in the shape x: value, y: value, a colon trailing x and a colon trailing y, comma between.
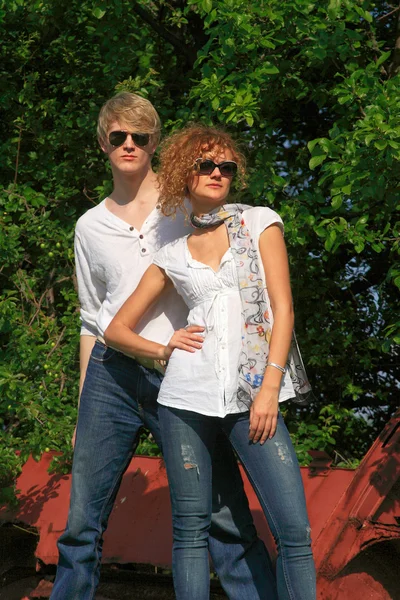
x: 230, y: 374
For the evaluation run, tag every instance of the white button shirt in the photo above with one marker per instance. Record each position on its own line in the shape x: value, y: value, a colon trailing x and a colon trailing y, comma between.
x: 111, y: 256
x: 206, y: 381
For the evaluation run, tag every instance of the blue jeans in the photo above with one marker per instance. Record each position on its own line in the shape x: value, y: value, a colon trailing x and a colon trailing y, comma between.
x: 119, y: 397
x: 189, y: 443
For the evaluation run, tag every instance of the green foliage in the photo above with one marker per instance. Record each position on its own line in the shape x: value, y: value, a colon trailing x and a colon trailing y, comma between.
x: 312, y: 92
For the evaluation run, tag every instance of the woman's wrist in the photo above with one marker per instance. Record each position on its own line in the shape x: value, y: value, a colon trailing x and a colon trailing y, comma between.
x: 275, y: 365
x: 272, y: 378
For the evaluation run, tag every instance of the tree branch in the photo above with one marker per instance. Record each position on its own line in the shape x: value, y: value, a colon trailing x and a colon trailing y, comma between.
x: 18, y: 153
x: 388, y: 14
x: 394, y: 66
x: 187, y: 54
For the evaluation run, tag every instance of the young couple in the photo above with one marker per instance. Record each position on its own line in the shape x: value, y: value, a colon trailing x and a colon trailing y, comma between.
x: 213, y: 298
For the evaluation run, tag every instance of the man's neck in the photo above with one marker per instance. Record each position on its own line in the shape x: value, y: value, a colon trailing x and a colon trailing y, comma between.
x: 139, y: 188
x: 133, y: 198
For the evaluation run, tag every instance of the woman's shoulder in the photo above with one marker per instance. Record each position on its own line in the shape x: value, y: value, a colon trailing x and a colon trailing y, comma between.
x: 258, y: 218
x: 260, y: 212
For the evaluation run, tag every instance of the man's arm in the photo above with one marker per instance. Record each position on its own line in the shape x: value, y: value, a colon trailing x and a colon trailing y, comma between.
x: 86, y: 344
x: 91, y: 295
x: 85, y: 349
x: 90, y: 303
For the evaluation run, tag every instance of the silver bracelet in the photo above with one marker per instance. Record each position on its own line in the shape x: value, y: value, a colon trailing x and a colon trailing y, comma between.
x: 271, y: 364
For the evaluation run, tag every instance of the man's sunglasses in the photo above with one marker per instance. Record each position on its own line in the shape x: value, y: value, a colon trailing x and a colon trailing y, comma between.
x: 227, y: 168
x: 117, y: 138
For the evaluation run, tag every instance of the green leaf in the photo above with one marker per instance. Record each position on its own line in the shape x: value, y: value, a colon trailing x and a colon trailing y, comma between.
x: 368, y: 17
x: 346, y: 189
x: 383, y: 57
x: 328, y: 244
x: 311, y: 145
x: 344, y: 99
x: 359, y: 246
x: 315, y: 161
x: 369, y: 138
x: 270, y: 69
x: 337, y: 201
x: 98, y: 12
x: 320, y: 231
x: 380, y: 144
x: 206, y: 5
x: 333, y: 8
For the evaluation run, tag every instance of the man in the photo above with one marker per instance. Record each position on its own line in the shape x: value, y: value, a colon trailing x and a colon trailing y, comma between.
x: 114, y: 245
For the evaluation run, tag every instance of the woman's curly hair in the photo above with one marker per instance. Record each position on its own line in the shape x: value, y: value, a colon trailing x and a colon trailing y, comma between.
x: 178, y: 154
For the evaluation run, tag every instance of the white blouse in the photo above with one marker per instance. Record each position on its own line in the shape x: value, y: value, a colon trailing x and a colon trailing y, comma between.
x: 206, y: 381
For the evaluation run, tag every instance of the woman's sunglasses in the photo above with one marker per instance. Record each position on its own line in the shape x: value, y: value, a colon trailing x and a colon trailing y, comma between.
x: 206, y: 166
x: 117, y: 138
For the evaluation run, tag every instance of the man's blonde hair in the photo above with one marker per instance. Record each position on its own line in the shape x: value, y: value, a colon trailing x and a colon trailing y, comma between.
x: 132, y: 111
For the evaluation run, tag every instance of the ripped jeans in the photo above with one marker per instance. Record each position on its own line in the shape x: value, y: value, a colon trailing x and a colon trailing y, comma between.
x: 188, y: 443
x: 119, y: 397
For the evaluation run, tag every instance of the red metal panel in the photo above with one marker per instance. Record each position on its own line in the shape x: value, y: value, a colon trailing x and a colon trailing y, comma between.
x: 349, y: 511
x: 353, y: 526
x: 140, y: 523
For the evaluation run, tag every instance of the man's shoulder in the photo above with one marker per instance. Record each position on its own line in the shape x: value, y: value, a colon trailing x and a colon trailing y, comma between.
x: 173, y: 227
x: 91, y: 216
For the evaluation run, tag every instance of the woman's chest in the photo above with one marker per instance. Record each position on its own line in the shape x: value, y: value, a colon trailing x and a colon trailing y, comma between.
x: 196, y: 282
x: 208, y: 249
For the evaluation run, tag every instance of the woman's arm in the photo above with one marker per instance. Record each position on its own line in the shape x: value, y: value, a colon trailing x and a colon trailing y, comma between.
x: 119, y: 334
x: 264, y: 410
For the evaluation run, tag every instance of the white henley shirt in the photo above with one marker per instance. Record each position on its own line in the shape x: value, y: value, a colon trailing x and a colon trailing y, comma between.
x: 111, y: 256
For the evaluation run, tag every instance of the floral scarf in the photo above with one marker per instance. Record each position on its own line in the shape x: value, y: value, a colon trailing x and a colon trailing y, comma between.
x: 257, y: 325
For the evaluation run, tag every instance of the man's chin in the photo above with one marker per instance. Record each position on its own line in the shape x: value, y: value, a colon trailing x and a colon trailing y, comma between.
x: 130, y: 168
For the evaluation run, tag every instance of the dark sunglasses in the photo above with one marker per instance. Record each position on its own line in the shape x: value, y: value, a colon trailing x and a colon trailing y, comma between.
x: 227, y: 168
x: 117, y: 138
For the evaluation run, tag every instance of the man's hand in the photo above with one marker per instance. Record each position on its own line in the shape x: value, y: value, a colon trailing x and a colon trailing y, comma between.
x: 185, y: 339
x: 264, y: 415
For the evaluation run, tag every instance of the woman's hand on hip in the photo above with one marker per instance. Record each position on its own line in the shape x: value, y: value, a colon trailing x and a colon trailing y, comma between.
x: 264, y: 415
x: 187, y: 339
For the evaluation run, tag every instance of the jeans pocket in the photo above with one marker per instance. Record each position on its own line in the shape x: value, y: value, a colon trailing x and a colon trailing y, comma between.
x: 102, y: 353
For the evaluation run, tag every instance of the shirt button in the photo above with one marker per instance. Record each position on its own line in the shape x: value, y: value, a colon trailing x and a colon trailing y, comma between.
x: 141, y: 236
x: 131, y: 228
x: 143, y: 249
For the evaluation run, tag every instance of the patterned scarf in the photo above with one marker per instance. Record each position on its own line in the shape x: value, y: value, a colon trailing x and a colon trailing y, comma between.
x: 257, y: 324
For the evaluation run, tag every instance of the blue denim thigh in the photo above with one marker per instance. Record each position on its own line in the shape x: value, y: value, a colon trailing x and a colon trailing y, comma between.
x: 118, y: 398
x: 274, y: 473
x: 188, y: 444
